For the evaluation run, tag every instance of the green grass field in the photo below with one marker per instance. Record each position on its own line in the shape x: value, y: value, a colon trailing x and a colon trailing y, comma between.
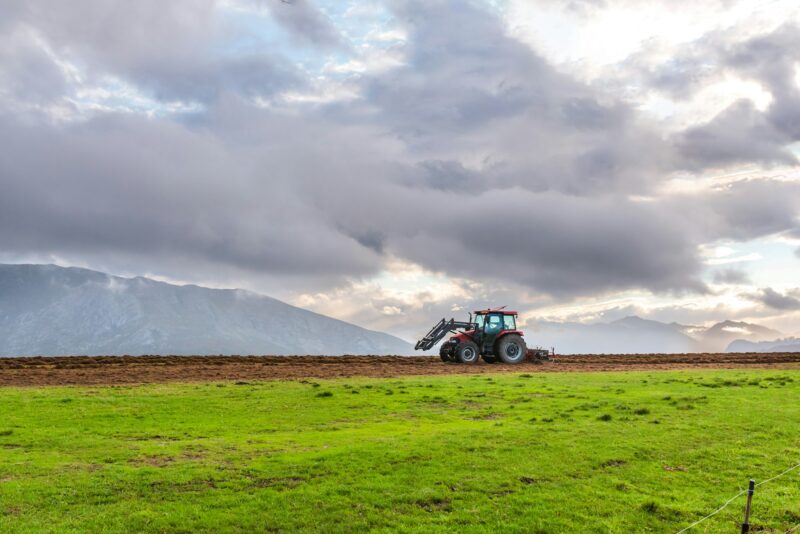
x: 578, y: 452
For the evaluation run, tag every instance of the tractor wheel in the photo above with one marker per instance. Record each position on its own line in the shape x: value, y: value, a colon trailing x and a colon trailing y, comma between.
x: 467, y: 352
x: 445, y: 354
x: 511, y: 349
x: 489, y: 359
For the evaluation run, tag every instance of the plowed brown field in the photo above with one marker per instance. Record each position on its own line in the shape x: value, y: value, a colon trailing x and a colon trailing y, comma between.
x: 73, y: 370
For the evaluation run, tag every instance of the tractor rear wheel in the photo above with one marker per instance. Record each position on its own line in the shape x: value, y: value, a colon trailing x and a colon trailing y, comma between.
x: 467, y: 352
x: 511, y: 349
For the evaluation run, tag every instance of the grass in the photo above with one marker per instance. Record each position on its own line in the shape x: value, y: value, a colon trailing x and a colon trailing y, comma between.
x: 599, y: 452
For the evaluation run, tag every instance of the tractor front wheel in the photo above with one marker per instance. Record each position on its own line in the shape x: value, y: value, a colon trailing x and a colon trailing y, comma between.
x: 445, y: 353
x: 511, y: 349
x: 467, y: 352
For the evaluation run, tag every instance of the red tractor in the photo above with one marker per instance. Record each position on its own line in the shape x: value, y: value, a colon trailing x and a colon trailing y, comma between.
x: 491, y: 334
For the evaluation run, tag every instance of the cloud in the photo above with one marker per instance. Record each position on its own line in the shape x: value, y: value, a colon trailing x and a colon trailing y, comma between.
x: 555, y: 243
x: 731, y: 277
x: 173, y: 51
x: 305, y: 23
x: 468, y: 92
x: 741, y: 210
x: 27, y: 71
x: 778, y: 301
x: 125, y: 185
x: 740, y: 133
x: 471, y: 157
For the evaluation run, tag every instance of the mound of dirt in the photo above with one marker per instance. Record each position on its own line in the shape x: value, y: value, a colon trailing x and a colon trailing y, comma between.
x: 98, y: 370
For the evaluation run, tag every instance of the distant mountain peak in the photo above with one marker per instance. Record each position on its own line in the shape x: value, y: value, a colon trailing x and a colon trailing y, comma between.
x: 743, y: 328
x: 635, y: 320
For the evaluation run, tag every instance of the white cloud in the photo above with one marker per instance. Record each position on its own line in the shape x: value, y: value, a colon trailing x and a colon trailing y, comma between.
x: 754, y: 256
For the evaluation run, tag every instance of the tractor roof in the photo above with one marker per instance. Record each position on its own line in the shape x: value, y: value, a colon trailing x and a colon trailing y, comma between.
x: 496, y: 310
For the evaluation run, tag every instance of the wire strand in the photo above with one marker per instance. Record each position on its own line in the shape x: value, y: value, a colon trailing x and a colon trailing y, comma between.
x: 778, y: 476
x: 718, y: 510
x: 715, y: 512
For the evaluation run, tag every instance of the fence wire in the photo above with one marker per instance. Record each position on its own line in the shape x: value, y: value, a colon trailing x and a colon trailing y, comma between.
x: 718, y: 510
x: 715, y: 512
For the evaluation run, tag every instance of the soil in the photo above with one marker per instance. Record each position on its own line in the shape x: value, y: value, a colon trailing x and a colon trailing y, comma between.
x: 100, y: 370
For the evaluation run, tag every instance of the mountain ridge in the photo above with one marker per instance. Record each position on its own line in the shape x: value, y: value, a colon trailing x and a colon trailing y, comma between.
x: 48, y: 309
x: 634, y: 334
x: 789, y: 344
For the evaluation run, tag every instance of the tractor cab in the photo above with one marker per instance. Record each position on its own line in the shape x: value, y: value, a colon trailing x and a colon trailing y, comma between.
x: 489, y: 325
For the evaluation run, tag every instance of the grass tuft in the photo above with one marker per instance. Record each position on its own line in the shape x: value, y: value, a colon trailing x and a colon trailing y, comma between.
x: 651, y: 507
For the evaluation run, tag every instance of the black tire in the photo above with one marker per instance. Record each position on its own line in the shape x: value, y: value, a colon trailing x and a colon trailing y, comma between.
x: 467, y: 352
x: 445, y: 354
x: 511, y: 349
x: 490, y: 359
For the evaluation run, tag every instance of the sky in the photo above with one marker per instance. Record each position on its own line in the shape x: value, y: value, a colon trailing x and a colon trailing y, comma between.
x: 390, y: 163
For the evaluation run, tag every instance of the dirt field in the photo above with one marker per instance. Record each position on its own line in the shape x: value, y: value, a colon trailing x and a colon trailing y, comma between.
x: 74, y: 370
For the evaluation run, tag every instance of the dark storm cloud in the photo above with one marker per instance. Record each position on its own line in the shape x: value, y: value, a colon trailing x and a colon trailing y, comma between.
x: 128, y: 185
x: 557, y: 243
x: 563, y: 245
x: 739, y: 134
x: 450, y: 176
x: 778, y: 301
x: 475, y: 157
x: 306, y: 23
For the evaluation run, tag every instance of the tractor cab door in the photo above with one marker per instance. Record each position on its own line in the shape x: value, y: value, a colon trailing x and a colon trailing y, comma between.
x: 492, y: 326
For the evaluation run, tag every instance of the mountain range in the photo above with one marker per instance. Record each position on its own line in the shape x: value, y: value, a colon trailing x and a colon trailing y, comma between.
x: 51, y: 310
x: 633, y: 335
x: 789, y: 344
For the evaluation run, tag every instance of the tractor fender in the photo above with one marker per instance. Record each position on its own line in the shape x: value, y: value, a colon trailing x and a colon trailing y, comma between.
x: 507, y: 332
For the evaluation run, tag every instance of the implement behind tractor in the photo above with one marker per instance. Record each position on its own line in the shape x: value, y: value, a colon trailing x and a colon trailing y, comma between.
x: 492, y: 335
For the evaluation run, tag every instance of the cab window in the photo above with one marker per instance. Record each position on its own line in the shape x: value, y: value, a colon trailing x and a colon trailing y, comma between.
x: 479, y: 320
x: 494, y: 322
x: 510, y: 322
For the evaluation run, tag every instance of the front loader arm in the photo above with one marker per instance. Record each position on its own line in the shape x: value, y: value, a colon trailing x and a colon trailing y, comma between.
x: 439, y: 330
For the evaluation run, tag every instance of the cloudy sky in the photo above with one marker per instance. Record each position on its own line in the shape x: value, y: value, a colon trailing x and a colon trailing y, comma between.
x: 388, y: 163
